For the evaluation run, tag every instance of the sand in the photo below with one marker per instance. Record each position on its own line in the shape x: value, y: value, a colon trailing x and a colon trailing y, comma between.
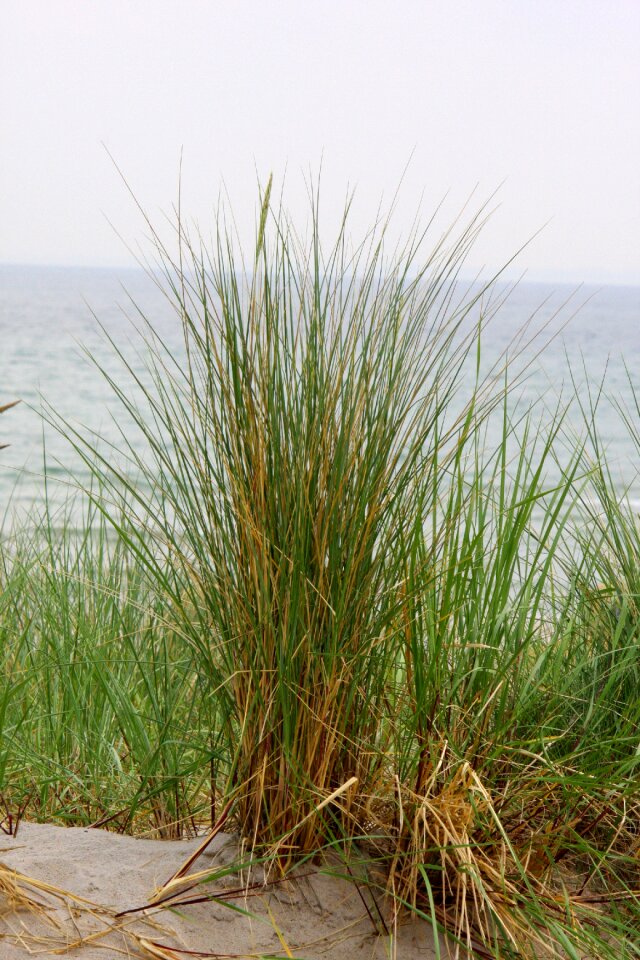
x: 317, y: 916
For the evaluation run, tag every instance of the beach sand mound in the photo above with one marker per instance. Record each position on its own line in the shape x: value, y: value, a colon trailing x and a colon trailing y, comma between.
x: 316, y: 916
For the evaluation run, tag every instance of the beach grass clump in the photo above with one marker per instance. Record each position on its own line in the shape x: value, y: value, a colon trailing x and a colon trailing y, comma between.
x: 285, y: 459
x: 336, y: 586
x: 497, y: 802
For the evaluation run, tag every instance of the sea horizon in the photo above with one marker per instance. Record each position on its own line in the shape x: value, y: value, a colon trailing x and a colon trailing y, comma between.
x: 50, y: 315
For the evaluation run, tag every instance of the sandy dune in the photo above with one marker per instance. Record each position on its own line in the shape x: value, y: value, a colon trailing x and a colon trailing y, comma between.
x: 319, y: 916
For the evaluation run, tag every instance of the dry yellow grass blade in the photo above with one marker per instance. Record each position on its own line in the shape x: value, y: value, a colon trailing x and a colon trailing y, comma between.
x: 13, y: 879
x: 351, y: 782
x: 177, y: 880
x: 16, y: 891
x: 278, y: 931
x: 157, y: 950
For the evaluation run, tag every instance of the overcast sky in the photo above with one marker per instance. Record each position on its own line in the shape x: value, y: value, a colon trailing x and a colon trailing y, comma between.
x: 541, y: 94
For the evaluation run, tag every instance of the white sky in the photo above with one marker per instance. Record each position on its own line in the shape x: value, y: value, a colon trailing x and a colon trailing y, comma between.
x: 544, y: 93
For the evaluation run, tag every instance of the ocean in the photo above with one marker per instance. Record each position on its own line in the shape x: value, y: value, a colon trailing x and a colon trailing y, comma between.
x: 51, y: 317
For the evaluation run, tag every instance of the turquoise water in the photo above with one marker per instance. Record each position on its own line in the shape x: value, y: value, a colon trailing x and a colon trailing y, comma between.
x: 48, y: 315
